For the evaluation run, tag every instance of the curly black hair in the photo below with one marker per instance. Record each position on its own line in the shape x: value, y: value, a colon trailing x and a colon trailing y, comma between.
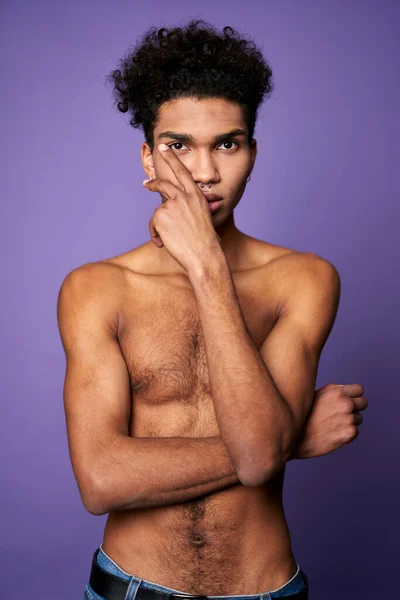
x: 194, y: 61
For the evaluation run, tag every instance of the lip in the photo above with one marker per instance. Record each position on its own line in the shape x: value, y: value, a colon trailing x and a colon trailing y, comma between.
x: 212, y: 197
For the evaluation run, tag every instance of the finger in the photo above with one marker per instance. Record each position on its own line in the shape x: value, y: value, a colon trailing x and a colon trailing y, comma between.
x: 163, y: 187
x: 353, y: 390
x: 358, y: 419
x: 181, y: 173
x: 154, y: 234
x: 328, y: 387
x: 360, y: 403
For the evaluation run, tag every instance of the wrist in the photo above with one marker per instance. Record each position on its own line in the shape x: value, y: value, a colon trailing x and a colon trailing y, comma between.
x: 208, y: 268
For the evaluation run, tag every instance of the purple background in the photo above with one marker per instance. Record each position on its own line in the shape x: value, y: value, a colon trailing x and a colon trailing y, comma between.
x: 326, y: 180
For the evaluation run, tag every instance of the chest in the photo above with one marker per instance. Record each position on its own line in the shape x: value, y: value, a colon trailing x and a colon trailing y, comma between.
x: 161, y: 338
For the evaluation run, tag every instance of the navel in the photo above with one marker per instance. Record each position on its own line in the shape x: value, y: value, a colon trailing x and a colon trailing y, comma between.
x: 198, y: 540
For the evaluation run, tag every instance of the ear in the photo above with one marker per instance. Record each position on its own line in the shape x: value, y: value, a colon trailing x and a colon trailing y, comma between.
x: 253, y: 150
x: 147, y: 160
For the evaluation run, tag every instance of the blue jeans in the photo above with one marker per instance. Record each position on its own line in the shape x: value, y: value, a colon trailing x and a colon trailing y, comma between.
x: 296, y: 584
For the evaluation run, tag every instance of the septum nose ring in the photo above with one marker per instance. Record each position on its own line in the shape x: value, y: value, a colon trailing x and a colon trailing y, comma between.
x: 202, y: 185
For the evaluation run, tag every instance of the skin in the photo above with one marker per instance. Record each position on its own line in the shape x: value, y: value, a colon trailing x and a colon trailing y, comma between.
x: 183, y: 400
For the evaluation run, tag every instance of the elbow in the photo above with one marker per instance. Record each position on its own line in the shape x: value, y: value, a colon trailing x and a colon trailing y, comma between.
x: 94, y: 495
x: 264, y: 460
x: 257, y: 474
x: 250, y: 479
x: 253, y: 477
x: 95, y: 506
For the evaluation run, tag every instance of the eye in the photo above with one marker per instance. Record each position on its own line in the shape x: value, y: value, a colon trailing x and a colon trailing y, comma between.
x: 230, y: 142
x: 176, y: 144
x: 179, y: 145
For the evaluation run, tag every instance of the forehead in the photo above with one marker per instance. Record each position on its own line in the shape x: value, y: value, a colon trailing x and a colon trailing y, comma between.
x: 201, y: 118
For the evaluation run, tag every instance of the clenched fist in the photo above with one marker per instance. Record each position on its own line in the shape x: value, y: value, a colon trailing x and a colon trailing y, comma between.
x: 332, y: 421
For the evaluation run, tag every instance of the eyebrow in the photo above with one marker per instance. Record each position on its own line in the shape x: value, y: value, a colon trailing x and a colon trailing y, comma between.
x: 184, y: 137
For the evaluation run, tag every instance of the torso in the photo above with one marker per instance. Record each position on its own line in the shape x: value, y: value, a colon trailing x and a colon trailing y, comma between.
x: 233, y: 541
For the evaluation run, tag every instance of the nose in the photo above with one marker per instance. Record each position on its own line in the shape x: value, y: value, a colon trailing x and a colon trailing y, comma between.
x: 203, y: 169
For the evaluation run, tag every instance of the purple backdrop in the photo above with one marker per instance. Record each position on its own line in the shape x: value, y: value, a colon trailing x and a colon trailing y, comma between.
x: 326, y: 180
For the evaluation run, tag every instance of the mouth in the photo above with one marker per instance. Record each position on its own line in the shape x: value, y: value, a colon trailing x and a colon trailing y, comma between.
x: 212, y: 197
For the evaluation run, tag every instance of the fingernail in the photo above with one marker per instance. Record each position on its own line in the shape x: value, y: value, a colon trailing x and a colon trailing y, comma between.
x: 163, y: 147
x: 145, y: 181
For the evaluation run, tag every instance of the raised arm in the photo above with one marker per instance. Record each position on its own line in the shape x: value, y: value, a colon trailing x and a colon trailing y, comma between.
x: 113, y: 470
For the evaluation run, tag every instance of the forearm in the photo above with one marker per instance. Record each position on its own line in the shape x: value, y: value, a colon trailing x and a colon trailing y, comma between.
x: 254, y: 420
x: 143, y: 472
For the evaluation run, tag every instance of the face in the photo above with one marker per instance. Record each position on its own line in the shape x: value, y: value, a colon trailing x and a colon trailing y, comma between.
x: 210, y: 138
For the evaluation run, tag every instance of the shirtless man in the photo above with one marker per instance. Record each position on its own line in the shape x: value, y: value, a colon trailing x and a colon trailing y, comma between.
x: 192, y: 359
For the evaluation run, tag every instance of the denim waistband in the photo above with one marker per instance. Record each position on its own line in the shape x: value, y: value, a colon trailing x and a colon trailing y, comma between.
x: 295, y: 583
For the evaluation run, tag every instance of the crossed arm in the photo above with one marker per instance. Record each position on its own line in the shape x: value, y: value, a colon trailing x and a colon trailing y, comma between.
x: 262, y: 398
x: 113, y: 470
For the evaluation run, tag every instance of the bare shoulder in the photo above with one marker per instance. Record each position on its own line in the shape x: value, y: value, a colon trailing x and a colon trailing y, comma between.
x: 301, y: 265
x: 91, y: 289
x: 268, y: 254
x: 96, y: 278
x: 286, y: 262
x: 307, y: 283
x: 259, y: 254
x: 100, y: 289
x: 290, y: 274
x: 104, y: 284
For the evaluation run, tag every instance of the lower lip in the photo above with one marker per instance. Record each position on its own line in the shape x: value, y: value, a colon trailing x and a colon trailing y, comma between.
x: 215, y: 205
